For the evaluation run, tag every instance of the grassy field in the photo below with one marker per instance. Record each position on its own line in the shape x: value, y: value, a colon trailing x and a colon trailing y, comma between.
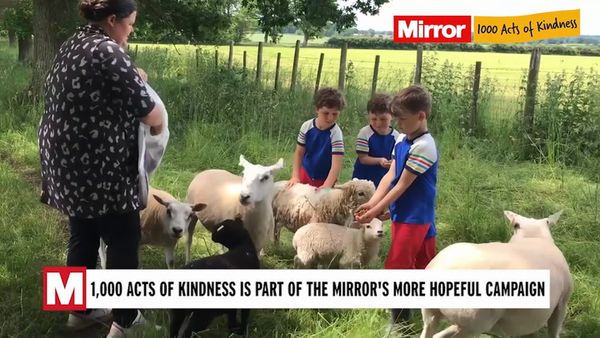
x: 502, y: 74
x: 396, y: 66
x: 287, y: 39
x: 216, y: 115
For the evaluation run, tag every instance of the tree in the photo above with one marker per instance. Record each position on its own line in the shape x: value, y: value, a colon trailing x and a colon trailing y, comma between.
x: 18, y: 20
x: 191, y: 20
x: 273, y: 15
x: 312, y: 16
x: 53, y: 22
x: 244, y: 21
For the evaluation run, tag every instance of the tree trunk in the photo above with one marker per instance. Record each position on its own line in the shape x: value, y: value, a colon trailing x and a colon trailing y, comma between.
x: 53, y: 22
x: 25, y: 48
x: 266, y: 37
x: 12, y: 38
x: 306, y: 37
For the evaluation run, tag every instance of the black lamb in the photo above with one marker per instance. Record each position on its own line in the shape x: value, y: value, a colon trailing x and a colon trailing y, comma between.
x: 241, y: 255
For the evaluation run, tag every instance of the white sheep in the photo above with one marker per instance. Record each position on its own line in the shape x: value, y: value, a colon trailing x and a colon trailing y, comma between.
x: 531, y: 247
x: 332, y: 245
x: 229, y: 196
x: 302, y: 204
x: 163, y: 222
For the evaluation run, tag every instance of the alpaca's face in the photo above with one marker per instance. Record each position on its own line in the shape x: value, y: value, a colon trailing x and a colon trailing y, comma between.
x: 257, y: 181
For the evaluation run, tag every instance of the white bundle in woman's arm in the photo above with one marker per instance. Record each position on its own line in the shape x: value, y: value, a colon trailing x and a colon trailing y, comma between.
x: 151, y: 147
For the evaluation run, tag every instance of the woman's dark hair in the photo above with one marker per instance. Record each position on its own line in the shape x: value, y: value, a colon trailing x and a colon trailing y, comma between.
x: 98, y: 10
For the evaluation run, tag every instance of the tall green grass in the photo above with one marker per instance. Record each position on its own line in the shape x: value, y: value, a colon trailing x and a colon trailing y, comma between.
x: 217, y: 114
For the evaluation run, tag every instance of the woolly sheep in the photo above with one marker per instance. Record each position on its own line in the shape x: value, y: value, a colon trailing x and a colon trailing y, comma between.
x: 332, y: 245
x: 302, y: 204
x: 229, y: 196
x: 241, y: 255
x: 162, y: 223
x: 531, y: 247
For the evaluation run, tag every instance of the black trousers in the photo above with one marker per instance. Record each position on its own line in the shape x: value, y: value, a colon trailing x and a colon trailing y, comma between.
x: 121, y: 233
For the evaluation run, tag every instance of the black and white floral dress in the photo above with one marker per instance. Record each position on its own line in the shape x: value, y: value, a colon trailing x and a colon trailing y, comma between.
x: 88, y: 133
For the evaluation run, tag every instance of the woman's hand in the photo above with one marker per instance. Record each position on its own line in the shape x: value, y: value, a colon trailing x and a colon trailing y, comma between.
x: 143, y: 74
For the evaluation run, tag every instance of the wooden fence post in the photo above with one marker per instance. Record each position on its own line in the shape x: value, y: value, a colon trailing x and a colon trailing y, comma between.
x: 230, y: 60
x: 295, y: 65
x: 277, y: 71
x: 244, y: 62
x: 532, y: 81
x: 476, y: 80
x: 375, y: 75
x: 259, y: 62
x: 419, y: 66
x: 319, y: 70
x: 342, y: 72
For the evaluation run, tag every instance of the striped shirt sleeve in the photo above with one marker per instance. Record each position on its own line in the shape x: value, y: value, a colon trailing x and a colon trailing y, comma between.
x: 362, y: 140
x: 337, y: 141
x: 303, y: 130
x: 421, y: 157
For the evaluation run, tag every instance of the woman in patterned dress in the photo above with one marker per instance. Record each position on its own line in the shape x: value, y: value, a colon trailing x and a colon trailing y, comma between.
x: 94, y: 98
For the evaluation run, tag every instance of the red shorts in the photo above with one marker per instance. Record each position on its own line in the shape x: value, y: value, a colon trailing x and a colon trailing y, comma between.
x: 304, y: 178
x: 409, y: 248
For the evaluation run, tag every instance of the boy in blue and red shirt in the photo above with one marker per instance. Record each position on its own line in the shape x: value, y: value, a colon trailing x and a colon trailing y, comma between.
x: 319, y: 151
x: 409, y: 188
x: 375, y: 142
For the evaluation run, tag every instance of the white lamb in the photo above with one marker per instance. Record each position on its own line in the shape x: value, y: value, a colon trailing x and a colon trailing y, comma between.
x: 163, y: 222
x: 332, y: 245
x: 531, y: 247
x: 302, y: 204
x: 229, y: 196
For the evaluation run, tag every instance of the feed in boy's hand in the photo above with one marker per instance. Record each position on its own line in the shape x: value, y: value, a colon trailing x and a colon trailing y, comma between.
x: 359, y: 213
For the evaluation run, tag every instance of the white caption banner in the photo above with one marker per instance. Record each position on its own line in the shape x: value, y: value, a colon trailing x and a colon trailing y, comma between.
x: 279, y: 289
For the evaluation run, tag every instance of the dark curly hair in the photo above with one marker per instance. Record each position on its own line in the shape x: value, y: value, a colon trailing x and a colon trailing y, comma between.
x: 379, y: 104
x: 98, y: 10
x: 412, y: 99
x: 330, y: 98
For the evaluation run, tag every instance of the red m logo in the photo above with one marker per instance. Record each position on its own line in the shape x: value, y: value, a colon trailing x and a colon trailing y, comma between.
x: 432, y: 28
x: 64, y: 288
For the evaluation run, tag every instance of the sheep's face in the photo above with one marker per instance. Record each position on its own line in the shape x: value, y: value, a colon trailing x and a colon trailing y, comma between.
x: 231, y: 233
x: 525, y: 227
x: 178, y: 216
x: 257, y: 181
x: 358, y: 192
x: 373, y: 230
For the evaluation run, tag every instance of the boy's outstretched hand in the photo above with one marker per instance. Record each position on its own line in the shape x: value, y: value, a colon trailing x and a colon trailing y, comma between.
x: 385, y: 162
x: 366, y: 212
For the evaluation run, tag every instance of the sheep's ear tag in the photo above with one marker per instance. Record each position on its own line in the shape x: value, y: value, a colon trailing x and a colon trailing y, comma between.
x: 552, y: 220
x: 220, y: 228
